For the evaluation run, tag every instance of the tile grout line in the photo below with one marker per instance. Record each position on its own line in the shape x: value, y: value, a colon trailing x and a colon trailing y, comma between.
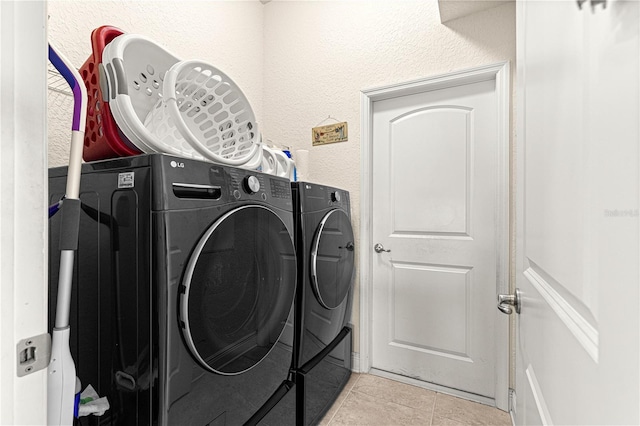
x: 433, y: 408
x: 345, y: 398
x: 455, y: 418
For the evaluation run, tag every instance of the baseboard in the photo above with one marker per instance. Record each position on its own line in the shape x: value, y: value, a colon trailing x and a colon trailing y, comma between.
x: 436, y: 388
x: 355, y: 362
x: 512, y: 405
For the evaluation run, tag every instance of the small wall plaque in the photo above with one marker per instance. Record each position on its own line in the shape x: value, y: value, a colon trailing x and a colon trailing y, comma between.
x: 331, y: 133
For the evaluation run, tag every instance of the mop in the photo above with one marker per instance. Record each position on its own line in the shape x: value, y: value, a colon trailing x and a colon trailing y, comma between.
x: 61, y: 386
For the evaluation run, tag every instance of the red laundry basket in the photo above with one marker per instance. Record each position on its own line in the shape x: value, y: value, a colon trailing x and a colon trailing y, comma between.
x: 102, y: 138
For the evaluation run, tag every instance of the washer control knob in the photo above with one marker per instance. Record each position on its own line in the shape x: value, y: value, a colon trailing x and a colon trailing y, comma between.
x: 251, y: 184
x: 335, y: 196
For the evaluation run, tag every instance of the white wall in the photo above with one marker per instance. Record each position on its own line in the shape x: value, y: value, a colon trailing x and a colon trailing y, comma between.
x: 227, y: 34
x: 320, y: 54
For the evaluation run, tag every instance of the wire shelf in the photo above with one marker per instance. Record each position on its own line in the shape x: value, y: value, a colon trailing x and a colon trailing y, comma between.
x: 56, y: 82
x: 59, y: 94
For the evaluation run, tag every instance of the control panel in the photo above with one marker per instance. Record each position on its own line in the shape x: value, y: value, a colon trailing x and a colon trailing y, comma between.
x: 319, y: 197
x: 280, y: 188
x: 253, y: 185
x: 202, y: 183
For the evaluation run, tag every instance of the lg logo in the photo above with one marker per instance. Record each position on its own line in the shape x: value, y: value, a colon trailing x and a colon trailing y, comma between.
x: 175, y: 164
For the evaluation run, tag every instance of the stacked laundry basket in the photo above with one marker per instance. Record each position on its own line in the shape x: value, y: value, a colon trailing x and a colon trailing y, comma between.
x: 144, y: 99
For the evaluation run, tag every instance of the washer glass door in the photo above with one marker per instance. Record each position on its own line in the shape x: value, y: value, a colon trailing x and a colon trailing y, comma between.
x: 332, y: 257
x: 238, y: 290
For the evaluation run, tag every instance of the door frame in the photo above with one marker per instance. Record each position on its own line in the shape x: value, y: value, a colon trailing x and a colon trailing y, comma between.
x: 500, y: 72
x: 23, y: 199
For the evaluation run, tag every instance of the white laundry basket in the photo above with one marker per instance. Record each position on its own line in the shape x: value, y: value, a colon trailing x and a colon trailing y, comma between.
x: 277, y: 163
x: 269, y: 163
x: 204, y: 107
x: 255, y: 162
x: 135, y: 69
x: 285, y: 165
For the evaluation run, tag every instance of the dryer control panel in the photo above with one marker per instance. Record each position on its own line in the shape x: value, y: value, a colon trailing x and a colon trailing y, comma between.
x: 316, y: 197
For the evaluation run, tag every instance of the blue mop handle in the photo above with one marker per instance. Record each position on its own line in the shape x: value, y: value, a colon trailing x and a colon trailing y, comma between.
x: 61, y: 384
x: 79, y: 122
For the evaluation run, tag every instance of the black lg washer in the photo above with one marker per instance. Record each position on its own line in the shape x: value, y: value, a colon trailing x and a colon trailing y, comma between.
x: 323, y: 340
x: 185, y: 278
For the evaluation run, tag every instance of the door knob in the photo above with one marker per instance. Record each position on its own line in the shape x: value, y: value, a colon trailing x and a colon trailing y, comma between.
x: 379, y: 248
x: 506, y: 301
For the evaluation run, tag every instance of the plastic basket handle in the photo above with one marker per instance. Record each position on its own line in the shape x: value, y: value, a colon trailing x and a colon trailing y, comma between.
x: 102, y: 36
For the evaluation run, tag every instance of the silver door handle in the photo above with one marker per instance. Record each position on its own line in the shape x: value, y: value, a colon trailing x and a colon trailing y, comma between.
x: 505, y: 301
x: 379, y: 248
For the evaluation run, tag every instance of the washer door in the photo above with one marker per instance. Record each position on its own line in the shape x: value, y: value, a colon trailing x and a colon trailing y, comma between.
x: 238, y: 290
x: 332, y: 259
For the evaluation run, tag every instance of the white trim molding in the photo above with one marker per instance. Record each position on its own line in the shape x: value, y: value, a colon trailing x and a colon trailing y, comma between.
x: 585, y: 333
x: 499, y: 72
x: 23, y: 201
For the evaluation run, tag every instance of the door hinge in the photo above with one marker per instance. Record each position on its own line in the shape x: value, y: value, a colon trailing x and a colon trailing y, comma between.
x: 33, y: 354
x: 594, y: 3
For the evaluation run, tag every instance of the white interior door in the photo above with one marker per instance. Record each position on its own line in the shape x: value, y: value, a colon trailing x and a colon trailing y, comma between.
x: 436, y: 203
x: 578, y: 225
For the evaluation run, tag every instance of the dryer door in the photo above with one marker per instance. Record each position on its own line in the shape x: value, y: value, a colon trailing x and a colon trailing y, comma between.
x: 238, y: 290
x: 332, y: 259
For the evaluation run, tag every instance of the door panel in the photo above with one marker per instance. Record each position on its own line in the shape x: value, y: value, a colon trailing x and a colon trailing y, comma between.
x: 435, y: 187
x: 579, y: 193
x: 444, y: 152
x: 412, y: 290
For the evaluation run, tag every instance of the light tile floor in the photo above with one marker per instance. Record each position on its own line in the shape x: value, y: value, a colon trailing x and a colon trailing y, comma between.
x: 372, y: 400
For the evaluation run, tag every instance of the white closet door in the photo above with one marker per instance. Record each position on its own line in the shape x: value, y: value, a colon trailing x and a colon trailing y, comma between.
x: 578, y: 249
